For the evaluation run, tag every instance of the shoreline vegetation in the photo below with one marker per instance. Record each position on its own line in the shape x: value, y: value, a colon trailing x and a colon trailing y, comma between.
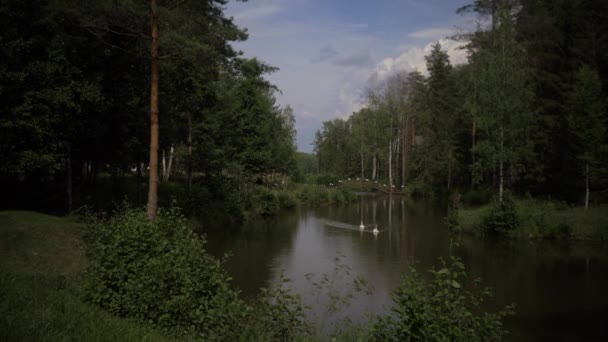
x: 526, y: 113
x: 41, y: 261
x: 539, y: 219
x: 62, y: 279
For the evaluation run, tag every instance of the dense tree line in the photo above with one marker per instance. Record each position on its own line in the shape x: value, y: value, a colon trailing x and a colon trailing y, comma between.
x: 85, y: 86
x: 526, y: 113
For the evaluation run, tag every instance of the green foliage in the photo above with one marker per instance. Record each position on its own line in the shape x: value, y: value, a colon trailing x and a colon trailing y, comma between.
x: 478, y: 196
x: 159, y: 273
x: 278, y: 315
x: 40, y: 262
x: 318, y: 195
x: 286, y: 200
x: 334, y: 293
x: 269, y: 203
x: 542, y: 219
x: 442, y: 310
x: 587, y: 125
x: 453, y: 219
x: 44, y: 308
x: 502, y: 218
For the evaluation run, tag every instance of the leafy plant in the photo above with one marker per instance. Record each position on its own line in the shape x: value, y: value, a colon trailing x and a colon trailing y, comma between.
x: 278, y: 315
x: 334, y: 293
x: 502, y: 219
x: 442, y: 310
x: 159, y: 273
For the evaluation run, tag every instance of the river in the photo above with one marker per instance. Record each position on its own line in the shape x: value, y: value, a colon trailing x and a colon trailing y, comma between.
x: 560, y: 289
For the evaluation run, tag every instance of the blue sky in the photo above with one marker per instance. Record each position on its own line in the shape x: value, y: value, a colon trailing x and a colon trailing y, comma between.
x: 327, y: 50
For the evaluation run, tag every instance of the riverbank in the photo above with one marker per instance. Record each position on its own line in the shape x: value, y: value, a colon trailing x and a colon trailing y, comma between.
x: 269, y: 202
x: 41, y: 258
x: 537, y: 219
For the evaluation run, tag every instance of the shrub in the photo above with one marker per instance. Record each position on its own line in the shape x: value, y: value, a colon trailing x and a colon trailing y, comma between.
x: 502, y: 219
x: 268, y: 203
x: 286, y: 201
x: 440, y: 311
x: 338, y: 196
x: 159, y: 273
x: 304, y: 194
x: 349, y: 195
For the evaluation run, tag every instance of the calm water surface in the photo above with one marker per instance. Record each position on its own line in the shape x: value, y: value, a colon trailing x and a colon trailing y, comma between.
x: 560, y: 289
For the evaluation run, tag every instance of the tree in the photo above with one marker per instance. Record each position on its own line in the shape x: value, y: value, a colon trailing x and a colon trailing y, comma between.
x: 153, y: 175
x: 440, y: 120
x: 502, y: 105
x: 587, y: 125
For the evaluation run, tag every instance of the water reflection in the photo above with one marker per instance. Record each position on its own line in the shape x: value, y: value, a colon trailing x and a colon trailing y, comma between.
x: 549, y: 282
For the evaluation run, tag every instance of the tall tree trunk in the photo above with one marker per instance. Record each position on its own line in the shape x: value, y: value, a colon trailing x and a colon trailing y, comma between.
x: 403, y: 151
x: 390, y: 168
x: 153, y: 176
x: 586, y: 186
x: 68, y: 167
x: 189, y: 142
x: 164, y: 167
x: 473, y: 137
x: 170, y: 165
x: 138, y: 180
x: 374, y: 167
x: 414, y: 132
x: 449, y: 171
x: 362, y: 173
x: 501, y: 178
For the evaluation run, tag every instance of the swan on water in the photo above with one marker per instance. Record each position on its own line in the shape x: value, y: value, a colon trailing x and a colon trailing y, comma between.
x: 375, y: 231
x: 361, y: 226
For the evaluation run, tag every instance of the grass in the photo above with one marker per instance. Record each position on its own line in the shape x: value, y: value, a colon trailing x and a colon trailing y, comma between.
x: 41, y: 258
x: 546, y: 220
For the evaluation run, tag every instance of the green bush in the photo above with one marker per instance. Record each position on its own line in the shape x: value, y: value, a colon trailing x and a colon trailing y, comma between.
x: 502, y: 219
x: 349, y: 195
x: 159, y: 273
x: 268, y: 204
x: 286, y: 201
x: 440, y: 311
x: 303, y: 195
x: 320, y: 195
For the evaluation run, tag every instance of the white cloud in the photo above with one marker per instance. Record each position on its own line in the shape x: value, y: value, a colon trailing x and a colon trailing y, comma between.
x: 325, y: 65
x: 412, y: 58
x: 431, y: 33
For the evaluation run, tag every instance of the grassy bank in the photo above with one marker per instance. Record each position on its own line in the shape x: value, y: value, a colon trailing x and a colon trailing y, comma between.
x: 41, y: 258
x: 537, y: 219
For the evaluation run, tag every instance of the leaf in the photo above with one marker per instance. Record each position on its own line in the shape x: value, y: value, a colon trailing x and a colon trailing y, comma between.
x: 455, y: 284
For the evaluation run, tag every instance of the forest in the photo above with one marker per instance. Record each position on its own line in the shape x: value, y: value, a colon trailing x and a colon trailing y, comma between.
x: 526, y: 114
x: 162, y: 149
x: 92, y: 105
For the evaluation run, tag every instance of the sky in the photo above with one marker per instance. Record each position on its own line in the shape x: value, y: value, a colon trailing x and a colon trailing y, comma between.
x: 328, y: 50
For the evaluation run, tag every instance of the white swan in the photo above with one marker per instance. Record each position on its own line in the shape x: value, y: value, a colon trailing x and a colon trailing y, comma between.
x: 375, y: 231
x: 361, y: 227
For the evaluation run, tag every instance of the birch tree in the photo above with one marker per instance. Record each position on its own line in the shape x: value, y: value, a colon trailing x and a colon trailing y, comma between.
x: 587, y: 126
